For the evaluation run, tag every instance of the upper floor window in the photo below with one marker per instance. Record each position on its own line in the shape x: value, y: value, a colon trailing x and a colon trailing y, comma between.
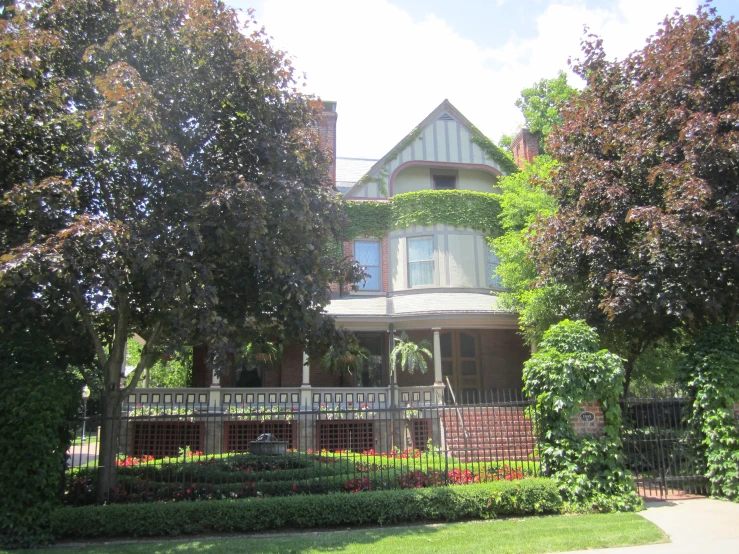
x: 367, y: 253
x: 420, y: 261
x: 493, y: 263
x: 445, y: 182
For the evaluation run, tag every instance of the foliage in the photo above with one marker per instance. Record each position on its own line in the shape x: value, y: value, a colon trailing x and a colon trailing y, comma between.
x: 36, y: 411
x: 530, y: 496
x: 493, y: 152
x: 161, y: 176
x: 347, y: 358
x: 460, y: 208
x: 167, y: 371
x: 646, y: 194
x: 542, y: 105
x: 409, y: 356
x: 523, y: 202
x: 566, y: 371
x: 710, y: 371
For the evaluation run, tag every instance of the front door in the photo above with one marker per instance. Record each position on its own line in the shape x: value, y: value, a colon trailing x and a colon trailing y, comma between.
x: 460, y: 361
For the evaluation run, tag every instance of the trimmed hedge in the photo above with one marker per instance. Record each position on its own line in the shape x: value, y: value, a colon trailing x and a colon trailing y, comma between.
x: 488, y: 500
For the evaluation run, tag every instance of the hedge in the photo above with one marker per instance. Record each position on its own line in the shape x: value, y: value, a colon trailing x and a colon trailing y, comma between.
x: 487, y: 500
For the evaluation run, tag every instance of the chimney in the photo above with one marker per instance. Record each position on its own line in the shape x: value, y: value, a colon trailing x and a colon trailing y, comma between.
x: 525, y: 147
x: 327, y: 132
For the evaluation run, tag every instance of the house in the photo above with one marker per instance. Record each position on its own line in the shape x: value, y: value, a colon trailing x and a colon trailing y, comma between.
x: 421, y: 218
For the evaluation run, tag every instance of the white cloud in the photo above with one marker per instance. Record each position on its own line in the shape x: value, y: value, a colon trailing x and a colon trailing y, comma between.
x: 387, y: 70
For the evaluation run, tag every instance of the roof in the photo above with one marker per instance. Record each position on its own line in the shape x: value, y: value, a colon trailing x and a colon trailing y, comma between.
x: 349, y: 171
x: 409, y: 304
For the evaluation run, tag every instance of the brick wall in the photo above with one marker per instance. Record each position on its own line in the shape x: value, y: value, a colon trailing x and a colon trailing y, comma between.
x: 590, y: 420
x: 327, y: 133
x: 291, y: 371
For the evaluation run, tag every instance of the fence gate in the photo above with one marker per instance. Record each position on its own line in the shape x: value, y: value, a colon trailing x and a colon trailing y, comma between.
x: 660, y: 447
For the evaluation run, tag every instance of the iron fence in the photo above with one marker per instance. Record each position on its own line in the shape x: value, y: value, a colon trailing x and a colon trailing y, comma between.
x: 192, y: 451
x: 662, y: 450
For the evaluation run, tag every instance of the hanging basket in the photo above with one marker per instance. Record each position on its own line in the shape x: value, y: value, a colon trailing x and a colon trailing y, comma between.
x: 348, y: 358
x: 262, y: 357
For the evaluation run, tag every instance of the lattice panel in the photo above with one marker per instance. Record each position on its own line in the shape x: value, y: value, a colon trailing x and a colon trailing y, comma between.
x: 165, y: 438
x: 421, y: 433
x: 355, y: 436
x: 238, y: 434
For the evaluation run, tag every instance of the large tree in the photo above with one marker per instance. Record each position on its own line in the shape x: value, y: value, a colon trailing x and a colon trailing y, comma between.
x: 648, y: 188
x: 163, y: 176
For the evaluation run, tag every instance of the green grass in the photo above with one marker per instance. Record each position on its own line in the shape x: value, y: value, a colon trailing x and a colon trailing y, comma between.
x: 529, y: 535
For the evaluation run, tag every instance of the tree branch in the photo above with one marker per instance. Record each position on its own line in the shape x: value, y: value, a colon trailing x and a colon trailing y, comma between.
x: 146, y: 359
x: 87, y: 320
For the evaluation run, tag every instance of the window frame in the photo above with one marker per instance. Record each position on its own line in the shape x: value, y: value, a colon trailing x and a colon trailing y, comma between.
x: 493, y: 281
x: 446, y: 174
x: 363, y: 286
x: 432, y: 260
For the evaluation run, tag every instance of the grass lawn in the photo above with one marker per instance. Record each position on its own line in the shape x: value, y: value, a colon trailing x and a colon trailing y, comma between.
x: 527, y: 535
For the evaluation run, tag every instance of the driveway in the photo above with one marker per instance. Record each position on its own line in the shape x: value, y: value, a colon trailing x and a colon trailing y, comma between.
x: 699, y: 525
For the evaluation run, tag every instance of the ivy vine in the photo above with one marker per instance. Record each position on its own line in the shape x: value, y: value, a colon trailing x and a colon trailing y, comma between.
x: 710, y: 372
x: 458, y: 208
x: 493, y: 152
x: 569, y: 369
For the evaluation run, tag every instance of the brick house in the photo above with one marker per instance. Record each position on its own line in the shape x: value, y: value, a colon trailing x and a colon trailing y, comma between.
x: 432, y: 281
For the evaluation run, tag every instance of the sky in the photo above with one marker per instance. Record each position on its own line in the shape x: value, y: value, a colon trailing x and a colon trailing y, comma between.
x: 389, y: 63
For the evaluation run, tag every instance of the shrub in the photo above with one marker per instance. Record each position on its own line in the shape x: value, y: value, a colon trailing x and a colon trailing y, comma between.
x: 35, y: 412
x: 569, y: 369
x: 530, y: 496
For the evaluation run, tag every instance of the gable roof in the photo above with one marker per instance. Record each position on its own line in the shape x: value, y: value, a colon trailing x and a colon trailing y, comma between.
x: 405, y: 149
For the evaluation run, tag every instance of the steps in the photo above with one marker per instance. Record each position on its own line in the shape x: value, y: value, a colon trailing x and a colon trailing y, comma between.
x: 488, y: 433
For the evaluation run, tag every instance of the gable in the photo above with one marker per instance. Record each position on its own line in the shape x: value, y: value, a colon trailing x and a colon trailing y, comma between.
x: 444, y: 137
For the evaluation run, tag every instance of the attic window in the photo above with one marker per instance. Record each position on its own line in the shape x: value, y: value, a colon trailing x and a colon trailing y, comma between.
x: 446, y: 117
x: 445, y: 182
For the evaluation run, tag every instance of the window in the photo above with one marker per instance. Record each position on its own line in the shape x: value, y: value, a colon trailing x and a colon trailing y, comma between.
x: 445, y: 182
x: 367, y: 253
x: 493, y: 263
x: 420, y: 261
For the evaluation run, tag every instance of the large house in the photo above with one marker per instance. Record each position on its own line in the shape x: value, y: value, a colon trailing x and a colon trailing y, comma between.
x: 431, y: 274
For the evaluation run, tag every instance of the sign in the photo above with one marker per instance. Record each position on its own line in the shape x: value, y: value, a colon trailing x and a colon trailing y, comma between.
x: 587, y: 417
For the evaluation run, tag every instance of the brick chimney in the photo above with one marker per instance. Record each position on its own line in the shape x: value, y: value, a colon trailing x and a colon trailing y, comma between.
x: 525, y: 147
x: 327, y: 132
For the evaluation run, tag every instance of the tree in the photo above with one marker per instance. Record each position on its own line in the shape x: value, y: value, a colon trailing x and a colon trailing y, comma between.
x: 542, y: 105
x: 648, y: 189
x: 161, y: 176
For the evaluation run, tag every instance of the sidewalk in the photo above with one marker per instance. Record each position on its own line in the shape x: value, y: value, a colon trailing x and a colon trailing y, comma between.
x: 699, y: 525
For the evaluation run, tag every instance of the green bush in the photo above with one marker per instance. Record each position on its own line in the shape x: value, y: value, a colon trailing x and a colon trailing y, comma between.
x: 35, y: 412
x: 530, y: 496
x: 568, y: 370
x: 712, y: 376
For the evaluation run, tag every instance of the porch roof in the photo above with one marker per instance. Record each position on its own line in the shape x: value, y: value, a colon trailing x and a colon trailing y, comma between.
x: 427, y: 306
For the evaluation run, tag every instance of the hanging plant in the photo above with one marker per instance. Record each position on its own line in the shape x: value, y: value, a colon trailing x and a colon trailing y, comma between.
x: 262, y: 353
x: 344, y: 360
x: 409, y: 356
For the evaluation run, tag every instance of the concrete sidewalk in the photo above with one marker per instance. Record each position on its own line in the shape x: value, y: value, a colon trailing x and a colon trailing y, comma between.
x: 694, y: 526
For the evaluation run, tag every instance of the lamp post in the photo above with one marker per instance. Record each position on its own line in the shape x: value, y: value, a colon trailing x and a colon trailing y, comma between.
x: 85, y: 396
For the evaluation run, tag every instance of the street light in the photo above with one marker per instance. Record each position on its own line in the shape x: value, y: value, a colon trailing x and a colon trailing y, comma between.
x: 85, y: 396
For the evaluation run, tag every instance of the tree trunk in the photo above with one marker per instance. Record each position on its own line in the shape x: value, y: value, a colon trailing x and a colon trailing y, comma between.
x: 109, y: 441
x: 628, y: 369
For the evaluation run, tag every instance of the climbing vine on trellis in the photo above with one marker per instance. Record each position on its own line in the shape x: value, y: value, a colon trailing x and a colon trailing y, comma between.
x: 458, y: 208
x: 711, y: 375
x: 568, y: 369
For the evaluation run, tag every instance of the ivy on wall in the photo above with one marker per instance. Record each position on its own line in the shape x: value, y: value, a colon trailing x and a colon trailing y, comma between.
x: 493, y: 152
x: 458, y: 208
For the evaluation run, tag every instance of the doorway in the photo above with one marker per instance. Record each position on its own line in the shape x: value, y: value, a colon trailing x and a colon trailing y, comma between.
x: 460, y: 362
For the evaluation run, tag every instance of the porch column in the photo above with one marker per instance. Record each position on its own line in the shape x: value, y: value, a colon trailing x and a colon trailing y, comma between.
x: 215, y: 380
x: 215, y: 391
x: 437, y: 355
x: 305, y: 393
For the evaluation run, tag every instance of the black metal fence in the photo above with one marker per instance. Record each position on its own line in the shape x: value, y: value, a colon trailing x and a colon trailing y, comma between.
x: 661, y: 448
x: 195, y: 451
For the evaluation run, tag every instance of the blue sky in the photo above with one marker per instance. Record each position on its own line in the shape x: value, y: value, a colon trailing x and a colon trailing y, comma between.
x: 388, y: 63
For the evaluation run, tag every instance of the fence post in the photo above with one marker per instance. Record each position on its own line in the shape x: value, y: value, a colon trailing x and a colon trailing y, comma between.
x: 589, y: 421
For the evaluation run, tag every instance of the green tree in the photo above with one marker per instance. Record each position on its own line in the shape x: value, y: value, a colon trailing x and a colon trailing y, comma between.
x: 647, y: 211
x: 542, y: 105
x: 161, y: 176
